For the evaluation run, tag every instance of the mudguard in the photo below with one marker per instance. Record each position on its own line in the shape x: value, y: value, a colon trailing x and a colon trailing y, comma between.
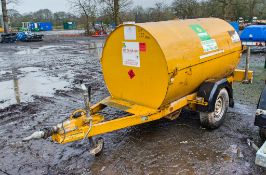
x: 260, y: 118
x: 209, y: 90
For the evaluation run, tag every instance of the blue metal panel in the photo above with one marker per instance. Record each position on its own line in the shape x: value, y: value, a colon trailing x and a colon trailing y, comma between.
x: 254, y: 33
x: 21, y: 36
x: 33, y: 26
x: 235, y: 24
x: 45, y: 26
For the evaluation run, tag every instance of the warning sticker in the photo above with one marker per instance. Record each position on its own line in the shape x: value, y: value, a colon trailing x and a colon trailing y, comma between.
x: 130, y: 54
x: 234, y: 36
x: 209, y: 45
x: 142, y: 47
x: 207, y: 42
x: 130, y: 33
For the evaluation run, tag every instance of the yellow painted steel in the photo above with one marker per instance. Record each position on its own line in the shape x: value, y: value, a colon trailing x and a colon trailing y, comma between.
x: 173, y: 62
x: 76, y: 129
x: 239, y: 75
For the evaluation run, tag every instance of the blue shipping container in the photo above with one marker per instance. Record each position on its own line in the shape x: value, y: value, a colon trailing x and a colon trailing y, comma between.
x: 33, y: 26
x: 45, y: 26
x: 254, y: 33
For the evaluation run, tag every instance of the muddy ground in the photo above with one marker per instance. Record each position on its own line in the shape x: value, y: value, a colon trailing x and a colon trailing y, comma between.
x: 39, y: 88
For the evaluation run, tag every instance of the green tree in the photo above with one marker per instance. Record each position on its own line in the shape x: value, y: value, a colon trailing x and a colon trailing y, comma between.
x: 185, y: 8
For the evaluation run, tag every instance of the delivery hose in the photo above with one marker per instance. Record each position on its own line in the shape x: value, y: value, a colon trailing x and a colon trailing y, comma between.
x: 90, y: 126
x: 87, y: 103
x: 42, y: 134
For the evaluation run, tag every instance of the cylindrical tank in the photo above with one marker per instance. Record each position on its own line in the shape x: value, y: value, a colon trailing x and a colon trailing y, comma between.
x: 153, y: 64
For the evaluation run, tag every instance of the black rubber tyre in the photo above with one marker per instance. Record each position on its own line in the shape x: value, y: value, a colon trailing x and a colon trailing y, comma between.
x: 262, y: 134
x: 213, y: 120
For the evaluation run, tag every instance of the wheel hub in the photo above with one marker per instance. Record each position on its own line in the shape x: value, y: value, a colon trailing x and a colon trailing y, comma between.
x: 218, y: 110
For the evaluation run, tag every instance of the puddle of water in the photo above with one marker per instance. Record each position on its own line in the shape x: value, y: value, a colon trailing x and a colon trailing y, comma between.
x: 93, y: 48
x: 29, y: 69
x: 96, y: 48
x: 27, y: 51
x: 37, y: 50
x: 2, y: 72
x: 22, y: 89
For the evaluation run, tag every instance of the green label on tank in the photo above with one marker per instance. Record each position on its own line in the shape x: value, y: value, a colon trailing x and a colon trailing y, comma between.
x: 208, y: 44
x: 201, y: 32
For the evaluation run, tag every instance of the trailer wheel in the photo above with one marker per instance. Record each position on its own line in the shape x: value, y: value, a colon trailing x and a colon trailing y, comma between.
x: 213, y: 120
x: 262, y: 134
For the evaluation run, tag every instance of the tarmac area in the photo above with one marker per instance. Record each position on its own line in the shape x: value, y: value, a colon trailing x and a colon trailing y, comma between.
x: 39, y: 87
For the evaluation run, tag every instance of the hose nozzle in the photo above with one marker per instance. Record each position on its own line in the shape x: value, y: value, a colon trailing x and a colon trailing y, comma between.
x: 42, y: 134
x: 34, y: 136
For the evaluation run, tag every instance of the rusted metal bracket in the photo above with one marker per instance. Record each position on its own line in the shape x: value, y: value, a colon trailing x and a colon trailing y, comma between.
x: 198, y: 101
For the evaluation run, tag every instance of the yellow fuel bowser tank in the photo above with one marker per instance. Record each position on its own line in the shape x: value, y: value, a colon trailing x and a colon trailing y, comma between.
x: 153, y: 64
x: 153, y: 70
